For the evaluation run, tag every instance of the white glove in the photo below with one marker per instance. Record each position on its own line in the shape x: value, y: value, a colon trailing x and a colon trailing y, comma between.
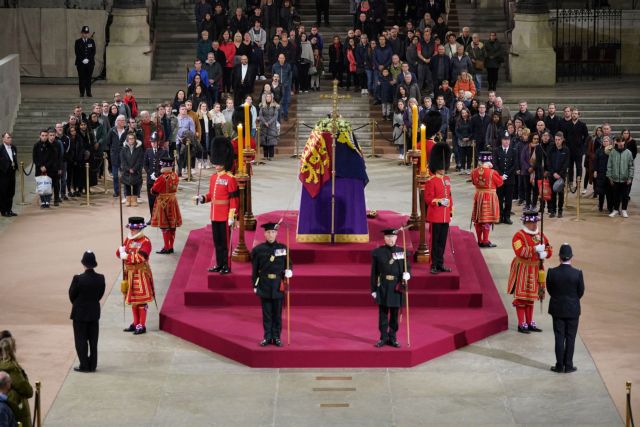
x: 504, y: 177
x: 85, y: 61
x: 153, y: 176
x: 255, y: 290
x: 288, y: 274
x: 374, y: 295
x: 123, y: 255
x: 122, y: 250
x: 542, y: 255
x: 540, y: 248
x: 231, y: 222
x: 444, y: 202
x: 198, y: 199
x: 406, y: 276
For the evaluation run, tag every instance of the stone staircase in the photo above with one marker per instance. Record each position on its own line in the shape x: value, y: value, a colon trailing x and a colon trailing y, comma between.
x: 176, y: 38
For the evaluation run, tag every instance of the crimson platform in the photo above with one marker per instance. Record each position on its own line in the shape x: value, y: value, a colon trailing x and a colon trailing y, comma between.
x: 333, y: 317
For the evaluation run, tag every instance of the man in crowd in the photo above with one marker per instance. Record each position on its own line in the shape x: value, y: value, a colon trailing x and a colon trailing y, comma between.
x: 575, y: 134
x: 65, y: 144
x: 151, y: 165
x: 214, y: 75
x: 283, y: 69
x: 6, y: 414
x: 85, y: 50
x: 57, y: 171
x: 565, y: 285
x: 526, y: 116
x: 186, y: 128
x: 123, y: 108
x: 505, y: 164
x: 557, y: 165
x: 85, y: 293
x: 8, y: 169
x: 269, y: 268
x: 389, y: 278
x: 198, y: 70
x: 479, y: 124
x: 243, y: 79
x: 115, y: 140
x: 551, y: 121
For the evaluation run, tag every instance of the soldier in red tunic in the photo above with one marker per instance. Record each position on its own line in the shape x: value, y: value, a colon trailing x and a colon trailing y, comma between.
x: 486, y: 206
x: 223, y: 195
x: 437, y: 196
x: 166, y: 212
x: 135, y: 253
x: 526, y: 278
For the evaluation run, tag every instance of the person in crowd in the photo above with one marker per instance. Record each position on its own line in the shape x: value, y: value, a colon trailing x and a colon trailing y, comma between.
x: 494, y: 133
x: 385, y: 92
x: 478, y: 55
x: 460, y: 62
x: 285, y: 79
x: 85, y: 292
x: 179, y: 99
x: 602, y: 185
x: 228, y: 48
x: 426, y: 50
x: 304, y: 63
x: 202, y: 7
x: 398, y: 134
x: 465, y: 83
x: 269, y: 126
x: 243, y: 80
x: 115, y: 141
x: 494, y: 58
x: 21, y: 391
x: 620, y: 172
x: 131, y: 158
x: 479, y: 124
x: 531, y: 163
x: 317, y: 70
x: 239, y: 22
x: 203, y: 46
x: 557, y: 166
x: 506, y: 165
x: 486, y: 206
x: 565, y: 285
x: 576, y: 134
x: 85, y: 52
x: 200, y: 150
x: 45, y: 157
x: 336, y: 60
x: 6, y: 414
x: 130, y: 101
x: 8, y: 170
x: 440, y: 68
x: 166, y: 212
x: 214, y: 73
x: 464, y: 135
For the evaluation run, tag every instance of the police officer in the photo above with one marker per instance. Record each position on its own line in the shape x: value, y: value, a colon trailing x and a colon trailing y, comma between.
x: 85, y: 49
x: 269, y: 260
x: 388, y: 275
x: 505, y: 163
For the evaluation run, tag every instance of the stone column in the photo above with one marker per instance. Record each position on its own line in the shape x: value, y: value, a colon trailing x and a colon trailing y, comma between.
x: 128, y: 53
x: 532, y: 60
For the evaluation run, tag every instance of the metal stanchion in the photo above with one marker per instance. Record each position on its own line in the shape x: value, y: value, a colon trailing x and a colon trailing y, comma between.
x: 628, y: 413
x: 105, y: 159
x: 37, y: 414
x: 22, y: 202
x: 295, y: 142
x: 577, y: 218
x: 87, y: 187
x: 372, y: 123
x: 189, y: 178
x: 257, y: 161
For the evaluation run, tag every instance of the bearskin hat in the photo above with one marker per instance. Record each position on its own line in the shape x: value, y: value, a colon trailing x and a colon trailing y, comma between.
x: 440, y: 157
x: 433, y: 122
x: 222, y: 152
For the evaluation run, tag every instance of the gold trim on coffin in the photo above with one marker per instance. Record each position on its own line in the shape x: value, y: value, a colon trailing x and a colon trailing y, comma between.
x: 326, y: 238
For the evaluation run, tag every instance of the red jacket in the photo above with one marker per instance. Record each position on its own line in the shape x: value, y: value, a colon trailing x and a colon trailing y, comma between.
x: 223, y: 195
x: 438, y: 187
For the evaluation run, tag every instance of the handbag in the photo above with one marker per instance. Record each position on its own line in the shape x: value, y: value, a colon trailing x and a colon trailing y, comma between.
x: 544, y: 188
x: 313, y: 70
x: 479, y: 64
x: 558, y: 185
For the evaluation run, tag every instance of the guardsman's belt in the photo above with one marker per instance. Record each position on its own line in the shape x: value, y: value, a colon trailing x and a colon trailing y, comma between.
x: 220, y: 202
x: 271, y: 276
x: 390, y: 277
x: 486, y: 190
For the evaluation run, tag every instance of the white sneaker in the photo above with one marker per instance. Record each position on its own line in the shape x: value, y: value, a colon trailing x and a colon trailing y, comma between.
x: 139, y: 199
x: 613, y: 214
x: 124, y: 201
x: 362, y: 92
x: 625, y: 214
x: 400, y: 156
x: 257, y: 78
x: 584, y: 192
x: 366, y: 91
x: 263, y: 78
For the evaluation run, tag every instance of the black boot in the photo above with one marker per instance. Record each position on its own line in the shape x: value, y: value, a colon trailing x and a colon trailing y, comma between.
x: 225, y: 269
x: 131, y: 328
x: 215, y: 269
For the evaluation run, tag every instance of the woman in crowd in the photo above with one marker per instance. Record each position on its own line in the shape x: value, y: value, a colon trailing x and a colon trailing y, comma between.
x: 269, y: 126
x: 453, y: 119
x: 229, y: 131
x: 21, y: 390
x: 113, y: 113
x: 199, y: 96
x: 464, y: 135
x: 336, y: 60
x: 229, y: 49
x: 75, y: 163
x: 350, y: 64
x: 131, y: 157
x: 398, y: 128
x: 602, y: 186
x: 89, y: 149
x: 316, y: 70
x: 100, y: 137
x: 197, y: 81
x: 218, y: 121
x: 306, y: 59
x: 539, y: 116
x: 531, y: 159
x: 629, y: 142
x: 178, y: 100
x: 206, y: 135
x: 240, y: 49
x: 465, y: 82
x: 402, y: 94
x: 276, y: 88
x: 494, y: 132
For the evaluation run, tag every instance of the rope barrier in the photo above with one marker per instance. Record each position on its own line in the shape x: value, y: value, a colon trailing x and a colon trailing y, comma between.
x: 30, y: 170
x: 22, y: 175
x: 392, y: 141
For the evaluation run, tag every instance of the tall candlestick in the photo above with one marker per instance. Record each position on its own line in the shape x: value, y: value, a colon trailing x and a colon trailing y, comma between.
x: 423, y: 149
x: 414, y: 127
x: 240, y: 150
x: 247, y: 125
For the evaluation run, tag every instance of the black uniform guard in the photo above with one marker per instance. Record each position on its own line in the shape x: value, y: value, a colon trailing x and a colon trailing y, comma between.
x: 85, y: 49
x: 269, y: 261
x: 85, y: 293
x: 8, y: 169
x: 505, y: 163
x: 387, y: 270
x: 565, y: 285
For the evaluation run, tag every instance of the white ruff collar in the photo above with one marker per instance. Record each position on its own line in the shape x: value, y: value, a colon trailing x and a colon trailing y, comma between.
x: 526, y: 230
x: 137, y: 235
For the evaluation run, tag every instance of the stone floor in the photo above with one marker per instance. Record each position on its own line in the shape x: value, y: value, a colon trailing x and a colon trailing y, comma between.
x: 157, y: 379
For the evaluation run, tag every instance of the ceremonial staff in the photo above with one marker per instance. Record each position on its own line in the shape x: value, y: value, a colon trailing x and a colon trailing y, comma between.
x: 541, y: 273
x: 288, y: 294
x: 124, y: 284
x: 406, y: 286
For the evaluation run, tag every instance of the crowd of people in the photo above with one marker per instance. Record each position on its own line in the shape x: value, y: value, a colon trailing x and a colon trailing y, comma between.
x: 15, y: 388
